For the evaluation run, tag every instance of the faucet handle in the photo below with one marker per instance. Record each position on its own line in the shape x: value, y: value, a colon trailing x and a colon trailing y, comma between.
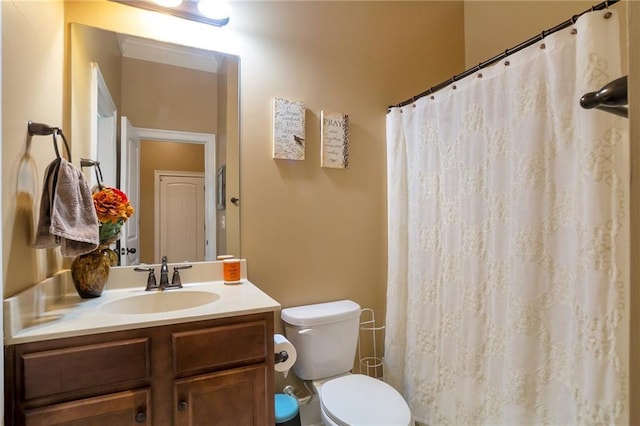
x: 175, y: 280
x: 185, y: 266
x: 151, y: 278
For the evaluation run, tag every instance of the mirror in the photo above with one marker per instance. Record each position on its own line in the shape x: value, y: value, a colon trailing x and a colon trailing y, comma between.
x: 163, y: 121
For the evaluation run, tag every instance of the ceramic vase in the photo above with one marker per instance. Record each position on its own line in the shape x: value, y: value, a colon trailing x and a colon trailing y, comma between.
x: 90, y: 272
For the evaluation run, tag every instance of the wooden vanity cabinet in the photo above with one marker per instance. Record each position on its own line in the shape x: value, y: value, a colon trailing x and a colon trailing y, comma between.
x: 206, y: 372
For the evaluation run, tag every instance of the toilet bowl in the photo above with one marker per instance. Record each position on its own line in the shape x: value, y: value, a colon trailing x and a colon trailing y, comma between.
x: 325, y: 336
x: 359, y: 400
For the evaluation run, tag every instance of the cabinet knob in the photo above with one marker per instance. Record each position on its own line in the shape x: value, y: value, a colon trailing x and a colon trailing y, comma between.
x: 141, y: 417
x: 182, y: 405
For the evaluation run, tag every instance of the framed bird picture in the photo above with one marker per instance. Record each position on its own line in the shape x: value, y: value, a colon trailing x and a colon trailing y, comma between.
x: 334, y: 130
x: 288, y: 129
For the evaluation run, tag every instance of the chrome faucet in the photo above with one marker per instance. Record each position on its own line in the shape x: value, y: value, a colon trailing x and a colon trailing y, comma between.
x: 176, y: 282
x: 164, y: 273
x: 164, y: 276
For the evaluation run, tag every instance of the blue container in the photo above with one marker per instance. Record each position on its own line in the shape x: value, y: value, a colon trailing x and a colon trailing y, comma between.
x: 287, y: 412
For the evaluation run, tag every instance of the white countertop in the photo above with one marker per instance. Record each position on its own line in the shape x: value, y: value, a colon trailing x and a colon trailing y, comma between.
x: 52, y: 309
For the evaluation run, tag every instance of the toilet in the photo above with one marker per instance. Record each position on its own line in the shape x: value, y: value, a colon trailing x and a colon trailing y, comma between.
x: 325, y: 336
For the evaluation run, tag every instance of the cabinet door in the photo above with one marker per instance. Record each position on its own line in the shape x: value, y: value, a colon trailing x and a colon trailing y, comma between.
x: 123, y: 408
x: 233, y: 397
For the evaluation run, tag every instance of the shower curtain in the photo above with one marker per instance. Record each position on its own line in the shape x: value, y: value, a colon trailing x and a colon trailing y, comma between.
x: 508, y: 241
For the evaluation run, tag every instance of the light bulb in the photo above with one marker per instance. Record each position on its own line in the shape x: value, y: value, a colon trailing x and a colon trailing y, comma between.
x: 167, y: 3
x: 215, y: 9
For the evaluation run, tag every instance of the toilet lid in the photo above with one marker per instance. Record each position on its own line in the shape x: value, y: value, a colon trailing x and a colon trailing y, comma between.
x: 356, y: 399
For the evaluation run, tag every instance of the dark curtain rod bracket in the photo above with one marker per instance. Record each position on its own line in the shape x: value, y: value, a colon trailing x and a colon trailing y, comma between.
x: 611, y: 98
x: 508, y: 52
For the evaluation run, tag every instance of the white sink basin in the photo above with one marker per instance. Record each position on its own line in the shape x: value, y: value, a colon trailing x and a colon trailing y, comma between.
x: 159, y: 301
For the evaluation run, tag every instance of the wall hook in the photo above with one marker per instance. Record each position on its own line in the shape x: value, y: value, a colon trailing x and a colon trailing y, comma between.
x: 85, y: 162
x: 41, y: 129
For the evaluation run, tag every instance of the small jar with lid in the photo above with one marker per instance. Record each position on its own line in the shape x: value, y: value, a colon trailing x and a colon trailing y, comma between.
x: 231, y: 270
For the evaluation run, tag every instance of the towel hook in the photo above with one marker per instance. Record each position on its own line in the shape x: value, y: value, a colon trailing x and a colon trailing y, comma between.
x: 41, y: 129
x: 58, y: 131
x: 85, y: 162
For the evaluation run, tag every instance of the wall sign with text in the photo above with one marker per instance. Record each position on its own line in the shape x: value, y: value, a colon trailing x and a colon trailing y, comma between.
x: 335, y: 140
x: 288, y: 129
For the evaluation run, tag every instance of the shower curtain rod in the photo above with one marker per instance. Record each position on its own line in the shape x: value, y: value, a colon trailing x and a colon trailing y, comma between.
x: 508, y: 52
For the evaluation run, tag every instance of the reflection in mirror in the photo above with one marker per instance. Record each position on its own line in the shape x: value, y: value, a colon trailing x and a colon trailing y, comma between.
x: 161, y: 119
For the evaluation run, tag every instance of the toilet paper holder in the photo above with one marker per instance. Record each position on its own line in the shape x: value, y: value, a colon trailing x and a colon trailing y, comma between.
x: 284, y: 354
x: 281, y: 356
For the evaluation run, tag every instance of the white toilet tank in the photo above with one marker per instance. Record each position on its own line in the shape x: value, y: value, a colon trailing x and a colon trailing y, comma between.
x: 325, y: 336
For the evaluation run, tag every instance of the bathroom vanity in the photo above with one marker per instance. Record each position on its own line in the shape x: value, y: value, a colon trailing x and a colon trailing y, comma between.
x: 82, y: 361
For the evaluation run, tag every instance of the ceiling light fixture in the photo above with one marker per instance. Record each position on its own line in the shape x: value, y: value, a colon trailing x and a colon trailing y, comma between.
x: 212, y: 12
x: 215, y: 9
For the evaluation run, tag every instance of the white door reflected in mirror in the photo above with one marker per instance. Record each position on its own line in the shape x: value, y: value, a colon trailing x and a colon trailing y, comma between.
x: 130, y: 184
x: 104, y: 126
x: 179, y: 218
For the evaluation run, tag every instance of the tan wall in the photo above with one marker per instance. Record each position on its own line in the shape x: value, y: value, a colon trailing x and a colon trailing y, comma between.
x: 102, y: 48
x: 32, y: 89
x: 491, y: 27
x: 184, y: 157
x: 312, y: 234
x: 167, y: 97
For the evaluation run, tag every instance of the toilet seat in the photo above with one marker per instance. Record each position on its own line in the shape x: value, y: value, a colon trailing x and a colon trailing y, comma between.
x: 356, y: 399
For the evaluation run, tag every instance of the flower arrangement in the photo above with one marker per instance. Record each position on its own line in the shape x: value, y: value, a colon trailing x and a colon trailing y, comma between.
x: 113, y: 210
x: 90, y: 271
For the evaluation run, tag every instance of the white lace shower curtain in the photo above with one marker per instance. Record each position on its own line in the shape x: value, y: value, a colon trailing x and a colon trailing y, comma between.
x: 508, y: 241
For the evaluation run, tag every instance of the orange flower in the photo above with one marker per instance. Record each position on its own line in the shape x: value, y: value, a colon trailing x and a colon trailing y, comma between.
x: 112, y: 205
